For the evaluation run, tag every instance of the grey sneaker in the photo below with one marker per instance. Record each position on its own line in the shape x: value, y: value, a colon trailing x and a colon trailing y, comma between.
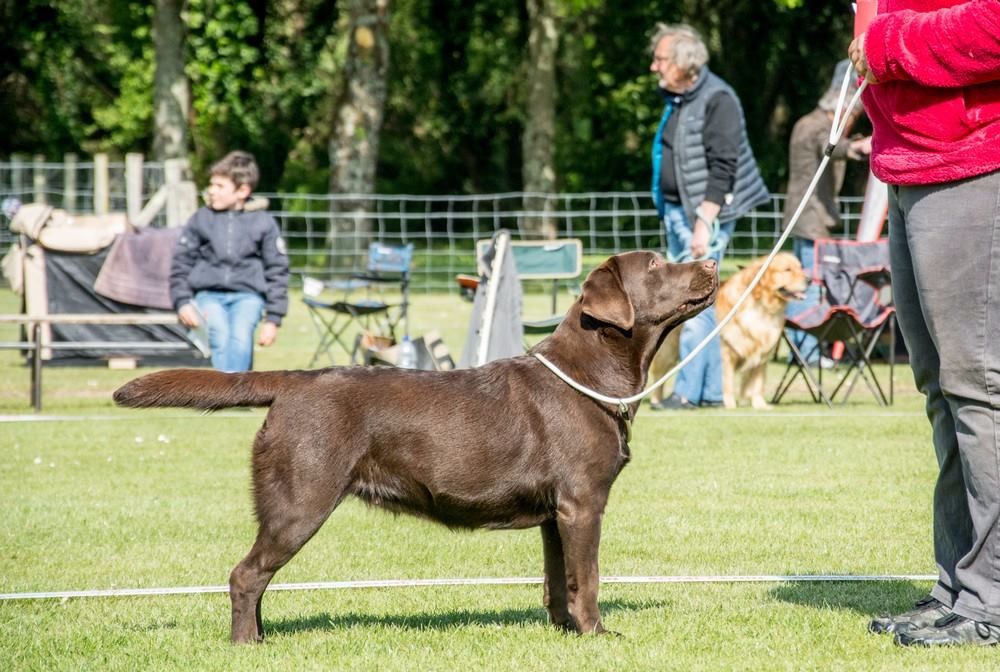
x: 924, y: 614
x: 952, y: 630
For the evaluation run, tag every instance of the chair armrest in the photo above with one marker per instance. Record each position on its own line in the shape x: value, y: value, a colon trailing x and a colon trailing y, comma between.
x: 544, y: 326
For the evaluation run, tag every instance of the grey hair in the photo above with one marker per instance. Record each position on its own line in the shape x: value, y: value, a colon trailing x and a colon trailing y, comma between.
x: 828, y: 103
x: 687, y: 50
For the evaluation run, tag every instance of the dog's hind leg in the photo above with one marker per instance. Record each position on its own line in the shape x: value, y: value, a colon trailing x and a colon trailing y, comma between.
x: 554, y: 590
x: 292, y: 502
x: 279, y: 538
x: 754, y: 386
x: 580, y: 532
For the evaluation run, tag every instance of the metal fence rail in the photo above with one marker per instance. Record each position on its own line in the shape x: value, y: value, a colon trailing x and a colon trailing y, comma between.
x: 444, y: 229
x: 327, y: 234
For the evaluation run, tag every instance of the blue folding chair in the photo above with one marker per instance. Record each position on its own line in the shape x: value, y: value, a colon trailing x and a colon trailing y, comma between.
x: 369, y: 313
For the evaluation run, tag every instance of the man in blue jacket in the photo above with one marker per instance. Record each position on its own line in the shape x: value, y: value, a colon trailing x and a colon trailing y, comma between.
x: 230, y: 266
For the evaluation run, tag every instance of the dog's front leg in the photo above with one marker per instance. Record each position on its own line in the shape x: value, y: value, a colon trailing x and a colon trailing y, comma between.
x: 728, y: 378
x: 580, y: 532
x: 755, y: 386
x: 554, y: 591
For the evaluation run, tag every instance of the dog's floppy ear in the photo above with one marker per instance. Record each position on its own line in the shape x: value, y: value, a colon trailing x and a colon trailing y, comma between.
x: 604, y: 297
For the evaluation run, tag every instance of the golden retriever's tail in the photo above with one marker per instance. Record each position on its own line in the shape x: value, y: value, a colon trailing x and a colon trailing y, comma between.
x: 210, y: 390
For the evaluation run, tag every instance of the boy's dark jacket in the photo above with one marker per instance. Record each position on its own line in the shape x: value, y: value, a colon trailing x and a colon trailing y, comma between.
x: 232, y: 251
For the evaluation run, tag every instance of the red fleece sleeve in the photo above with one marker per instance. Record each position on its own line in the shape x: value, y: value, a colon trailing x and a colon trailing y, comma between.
x: 951, y: 47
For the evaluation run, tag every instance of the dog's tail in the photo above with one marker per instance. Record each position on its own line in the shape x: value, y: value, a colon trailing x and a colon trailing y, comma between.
x: 210, y: 390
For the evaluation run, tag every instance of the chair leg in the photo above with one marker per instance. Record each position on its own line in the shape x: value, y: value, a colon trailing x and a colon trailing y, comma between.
x: 325, y: 329
x: 861, y: 366
x: 798, y: 367
x: 787, y: 378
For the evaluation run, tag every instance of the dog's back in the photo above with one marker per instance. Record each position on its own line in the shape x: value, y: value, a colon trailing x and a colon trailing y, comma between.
x: 431, y: 444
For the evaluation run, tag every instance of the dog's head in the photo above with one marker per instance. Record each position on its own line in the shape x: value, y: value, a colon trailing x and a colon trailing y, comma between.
x: 783, y: 281
x: 640, y: 290
x: 626, y: 308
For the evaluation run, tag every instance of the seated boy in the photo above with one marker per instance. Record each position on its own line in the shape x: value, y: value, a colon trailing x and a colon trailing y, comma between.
x: 230, y: 266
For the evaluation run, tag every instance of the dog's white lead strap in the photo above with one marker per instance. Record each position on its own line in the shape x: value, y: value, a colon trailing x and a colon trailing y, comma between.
x: 836, y: 131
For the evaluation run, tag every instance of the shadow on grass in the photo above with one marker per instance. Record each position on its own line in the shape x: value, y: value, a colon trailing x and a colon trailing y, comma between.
x: 439, y: 621
x: 868, y: 597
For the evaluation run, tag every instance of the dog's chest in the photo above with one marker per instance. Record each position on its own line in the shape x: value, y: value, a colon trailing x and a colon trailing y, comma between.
x: 753, y: 334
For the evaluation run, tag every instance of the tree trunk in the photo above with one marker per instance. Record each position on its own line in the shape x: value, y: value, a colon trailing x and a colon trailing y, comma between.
x: 171, y: 91
x: 358, y: 110
x: 538, y: 142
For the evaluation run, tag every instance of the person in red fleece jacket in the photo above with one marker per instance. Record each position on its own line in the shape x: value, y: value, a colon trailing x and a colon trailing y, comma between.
x: 933, y: 68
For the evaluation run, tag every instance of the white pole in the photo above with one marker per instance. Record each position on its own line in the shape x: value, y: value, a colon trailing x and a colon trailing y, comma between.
x: 491, y: 298
x: 133, y: 185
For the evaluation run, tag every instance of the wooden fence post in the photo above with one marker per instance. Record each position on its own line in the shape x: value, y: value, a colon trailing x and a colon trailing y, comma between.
x: 182, y: 196
x: 38, y: 181
x: 133, y: 185
x: 69, y: 182
x: 102, y: 185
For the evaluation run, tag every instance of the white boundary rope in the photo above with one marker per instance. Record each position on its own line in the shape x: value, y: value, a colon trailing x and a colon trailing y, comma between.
x: 500, y: 581
x: 836, y: 131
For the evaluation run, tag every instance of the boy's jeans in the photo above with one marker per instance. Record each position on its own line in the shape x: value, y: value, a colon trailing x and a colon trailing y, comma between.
x: 806, y: 343
x: 701, y: 380
x: 232, y: 319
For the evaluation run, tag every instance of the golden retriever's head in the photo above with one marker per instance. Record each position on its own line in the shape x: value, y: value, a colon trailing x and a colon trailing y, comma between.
x: 783, y: 281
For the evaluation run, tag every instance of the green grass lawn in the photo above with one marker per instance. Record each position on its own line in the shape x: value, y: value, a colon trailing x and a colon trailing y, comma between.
x: 100, y: 497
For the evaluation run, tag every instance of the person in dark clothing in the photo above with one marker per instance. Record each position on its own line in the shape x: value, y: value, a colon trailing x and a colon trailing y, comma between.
x: 230, y: 266
x: 704, y: 179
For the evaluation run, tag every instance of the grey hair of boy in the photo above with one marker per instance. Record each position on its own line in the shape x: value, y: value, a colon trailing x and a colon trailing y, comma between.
x: 238, y: 166
x: 687, y: 50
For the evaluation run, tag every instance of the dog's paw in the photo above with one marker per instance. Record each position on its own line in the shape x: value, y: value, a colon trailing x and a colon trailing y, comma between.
x: 759, y: 404
x: 564, y: 625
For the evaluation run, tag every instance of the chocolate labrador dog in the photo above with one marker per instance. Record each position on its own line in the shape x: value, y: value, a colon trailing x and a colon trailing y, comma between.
x: 505, y: 445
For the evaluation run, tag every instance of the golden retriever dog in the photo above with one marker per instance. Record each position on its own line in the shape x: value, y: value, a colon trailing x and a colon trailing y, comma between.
x: 749, y: 340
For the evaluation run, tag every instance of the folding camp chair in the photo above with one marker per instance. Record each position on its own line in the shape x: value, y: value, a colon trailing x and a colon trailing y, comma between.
x: 852, y: 277
x: 370, y: 313
x: 555, y: 260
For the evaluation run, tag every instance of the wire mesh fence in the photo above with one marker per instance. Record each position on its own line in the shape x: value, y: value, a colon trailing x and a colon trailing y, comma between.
x: 328, y: 234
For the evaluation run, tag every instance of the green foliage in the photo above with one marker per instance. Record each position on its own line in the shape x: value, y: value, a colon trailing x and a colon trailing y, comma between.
x: 76, y: 75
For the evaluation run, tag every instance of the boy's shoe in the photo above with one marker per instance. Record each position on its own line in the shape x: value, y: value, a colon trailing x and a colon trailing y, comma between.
x: 710, y: 404
x: 674, y: 402
x: 924, y: 614
x: 952, y: 630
